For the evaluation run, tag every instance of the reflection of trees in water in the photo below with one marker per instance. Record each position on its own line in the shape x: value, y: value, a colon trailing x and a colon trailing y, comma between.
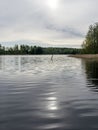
x: 91, y: 70
x: 10, y: 63
x: 18, y: 63
x: 0, y: 62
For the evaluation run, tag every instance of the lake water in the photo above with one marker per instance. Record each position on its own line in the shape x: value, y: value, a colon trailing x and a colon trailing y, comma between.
x: 39, y: 94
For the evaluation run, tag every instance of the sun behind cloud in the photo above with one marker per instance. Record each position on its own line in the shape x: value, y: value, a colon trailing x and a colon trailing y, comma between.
x: 53, y: 4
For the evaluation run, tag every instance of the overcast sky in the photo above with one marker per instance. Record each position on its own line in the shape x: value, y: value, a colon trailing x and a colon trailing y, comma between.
x: 51, y: 21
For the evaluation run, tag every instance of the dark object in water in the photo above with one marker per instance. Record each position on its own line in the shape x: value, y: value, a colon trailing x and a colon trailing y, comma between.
x: 52, y: 57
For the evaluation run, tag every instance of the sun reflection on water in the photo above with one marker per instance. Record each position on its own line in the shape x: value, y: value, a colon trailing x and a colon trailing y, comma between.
x: 52, y: 103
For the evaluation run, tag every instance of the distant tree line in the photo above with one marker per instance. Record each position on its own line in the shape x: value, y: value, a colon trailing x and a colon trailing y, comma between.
x: 90, y: 44
x: 36, y: 50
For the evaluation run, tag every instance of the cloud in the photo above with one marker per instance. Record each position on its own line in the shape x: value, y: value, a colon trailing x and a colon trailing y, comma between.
x: 67, y: 32
x: 35, y: 20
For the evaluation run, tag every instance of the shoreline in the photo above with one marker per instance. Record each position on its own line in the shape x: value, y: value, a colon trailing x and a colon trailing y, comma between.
x: 85, y: 56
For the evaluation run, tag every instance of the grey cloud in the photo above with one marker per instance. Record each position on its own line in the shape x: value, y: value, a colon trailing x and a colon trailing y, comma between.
x: 33, y: 19
x: 68, y: 32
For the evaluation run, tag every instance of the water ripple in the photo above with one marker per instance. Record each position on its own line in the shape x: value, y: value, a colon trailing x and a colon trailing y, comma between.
x: 38, y: 94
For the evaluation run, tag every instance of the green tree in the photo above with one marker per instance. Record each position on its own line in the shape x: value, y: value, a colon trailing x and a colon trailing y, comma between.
x: 90, y: 45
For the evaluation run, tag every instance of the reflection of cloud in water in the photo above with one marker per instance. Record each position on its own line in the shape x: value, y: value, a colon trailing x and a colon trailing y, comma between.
x: 33, y: 64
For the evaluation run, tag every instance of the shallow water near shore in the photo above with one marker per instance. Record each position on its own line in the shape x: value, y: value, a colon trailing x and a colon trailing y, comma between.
x: 37, y: 93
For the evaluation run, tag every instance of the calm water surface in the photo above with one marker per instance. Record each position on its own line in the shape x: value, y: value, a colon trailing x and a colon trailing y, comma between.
x: 39, y: 94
